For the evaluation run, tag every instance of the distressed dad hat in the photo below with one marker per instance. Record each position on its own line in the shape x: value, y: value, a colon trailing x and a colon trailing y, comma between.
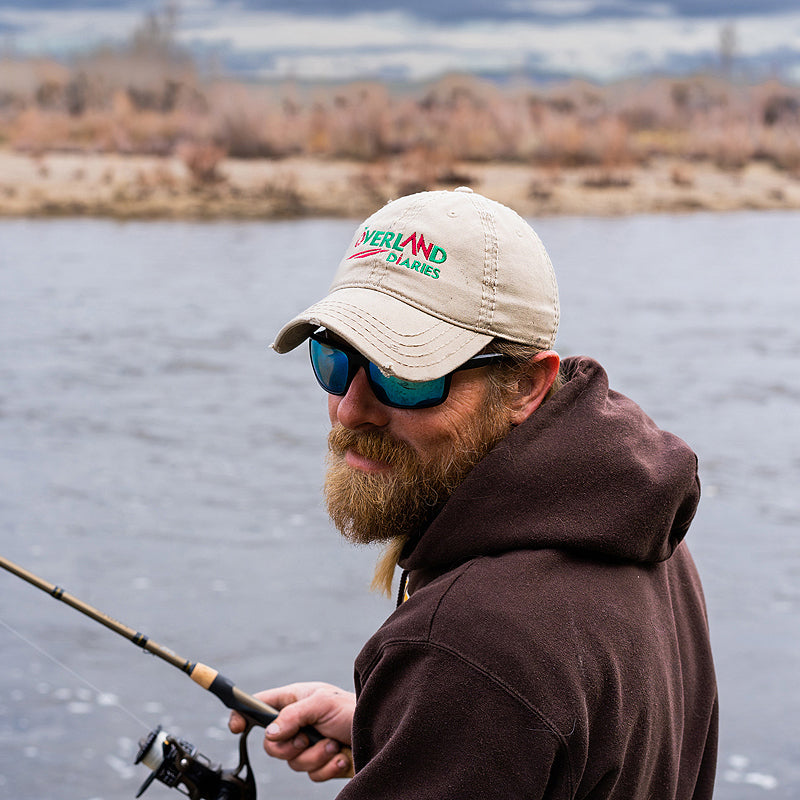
x: 430, y: 279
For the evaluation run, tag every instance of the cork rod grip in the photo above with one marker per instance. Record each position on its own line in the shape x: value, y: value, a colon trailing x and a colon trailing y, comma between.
x: 252, y: 708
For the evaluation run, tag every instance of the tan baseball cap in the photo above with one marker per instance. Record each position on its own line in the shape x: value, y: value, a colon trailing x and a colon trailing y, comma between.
x: 430, y: 279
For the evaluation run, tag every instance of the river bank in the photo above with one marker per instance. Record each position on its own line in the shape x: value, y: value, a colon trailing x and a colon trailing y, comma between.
x: 150, y: 187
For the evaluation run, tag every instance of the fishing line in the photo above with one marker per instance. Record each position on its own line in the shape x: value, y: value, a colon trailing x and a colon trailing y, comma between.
x: 72, y: 672
x: 254, y: 710
x: 174, y: 761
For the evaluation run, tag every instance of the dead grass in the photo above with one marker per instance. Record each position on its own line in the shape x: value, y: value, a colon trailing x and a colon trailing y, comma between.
x: 134, y: 103
x: 545, y: 146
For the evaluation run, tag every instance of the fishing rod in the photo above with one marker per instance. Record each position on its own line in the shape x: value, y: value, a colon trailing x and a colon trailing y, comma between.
x: 174, y: 761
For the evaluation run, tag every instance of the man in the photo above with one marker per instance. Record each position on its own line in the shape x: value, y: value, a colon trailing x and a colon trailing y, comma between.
x: 550, y: 639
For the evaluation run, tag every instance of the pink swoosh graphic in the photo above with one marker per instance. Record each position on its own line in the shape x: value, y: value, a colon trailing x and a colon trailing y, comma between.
x: 366, y: 253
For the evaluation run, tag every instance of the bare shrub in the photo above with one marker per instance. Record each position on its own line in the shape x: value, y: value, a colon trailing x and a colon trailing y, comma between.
x: 202, y: 159
x: 681, y: 175
x: 781, y: 108
x: 284, y: 196
x: 781, y: 147
x: 372, y: 181
x: 540, y: 190
x: 147, y: 97
x: 729, y: 147
x: 357, y: 126
x: 606, y: 180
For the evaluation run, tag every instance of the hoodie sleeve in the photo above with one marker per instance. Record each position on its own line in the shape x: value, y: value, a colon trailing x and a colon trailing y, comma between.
x: 430, y: 725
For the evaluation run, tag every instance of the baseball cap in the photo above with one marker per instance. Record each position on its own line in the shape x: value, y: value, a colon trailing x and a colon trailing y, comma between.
x: 430, y: 279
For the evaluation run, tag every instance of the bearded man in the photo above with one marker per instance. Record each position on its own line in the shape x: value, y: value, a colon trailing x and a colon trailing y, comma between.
x: 550, y: 639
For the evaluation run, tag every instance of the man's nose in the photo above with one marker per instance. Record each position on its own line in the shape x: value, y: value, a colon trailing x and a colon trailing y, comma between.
x: 359, y: 408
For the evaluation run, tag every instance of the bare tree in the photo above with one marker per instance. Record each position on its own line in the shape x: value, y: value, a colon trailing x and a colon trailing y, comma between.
x: 728, y: 45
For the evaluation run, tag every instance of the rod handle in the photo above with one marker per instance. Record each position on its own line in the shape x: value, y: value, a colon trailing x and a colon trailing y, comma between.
x: 234, y: 698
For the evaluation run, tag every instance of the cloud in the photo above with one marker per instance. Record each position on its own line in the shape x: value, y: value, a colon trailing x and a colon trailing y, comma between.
x: 45, y: 31
x: 350, y: 47
x: 578, y: 9
x: 450, y: 11
x: 397, y: 43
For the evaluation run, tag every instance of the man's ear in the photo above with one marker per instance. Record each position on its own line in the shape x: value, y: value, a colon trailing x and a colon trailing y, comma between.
x: 534, y: 385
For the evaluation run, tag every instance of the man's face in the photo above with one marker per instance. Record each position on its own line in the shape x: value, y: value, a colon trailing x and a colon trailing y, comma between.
x: 390, y: 469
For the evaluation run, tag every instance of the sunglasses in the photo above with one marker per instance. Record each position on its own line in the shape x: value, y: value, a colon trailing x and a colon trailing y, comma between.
x: 335, y: 365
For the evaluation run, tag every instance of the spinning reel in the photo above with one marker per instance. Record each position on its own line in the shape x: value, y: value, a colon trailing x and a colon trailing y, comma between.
x: 178, y: 764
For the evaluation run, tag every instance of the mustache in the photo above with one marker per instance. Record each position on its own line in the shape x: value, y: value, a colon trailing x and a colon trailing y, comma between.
x: 375, y: 445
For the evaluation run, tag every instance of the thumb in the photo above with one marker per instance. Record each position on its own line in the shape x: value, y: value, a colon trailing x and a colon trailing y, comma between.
x: 290, y: 720
x: 276, y: 698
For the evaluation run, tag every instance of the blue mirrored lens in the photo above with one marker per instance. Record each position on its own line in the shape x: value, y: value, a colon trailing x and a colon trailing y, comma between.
x: 406, y: 394
x: 331, y: 366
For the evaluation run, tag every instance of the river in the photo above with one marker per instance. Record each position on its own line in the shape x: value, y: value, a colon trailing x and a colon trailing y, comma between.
x: 158, y: 461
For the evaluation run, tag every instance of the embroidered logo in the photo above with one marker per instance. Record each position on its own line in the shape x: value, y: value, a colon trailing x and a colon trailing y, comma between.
x: 395, y: 246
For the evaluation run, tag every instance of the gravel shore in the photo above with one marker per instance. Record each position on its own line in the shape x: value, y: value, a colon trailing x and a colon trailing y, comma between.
x: 141, y: 187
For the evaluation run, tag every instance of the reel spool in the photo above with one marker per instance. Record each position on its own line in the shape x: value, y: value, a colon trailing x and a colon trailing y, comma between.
x: 178, y: 764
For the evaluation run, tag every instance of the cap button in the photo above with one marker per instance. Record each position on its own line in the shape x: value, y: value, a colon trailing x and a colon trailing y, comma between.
x: 463, y: 189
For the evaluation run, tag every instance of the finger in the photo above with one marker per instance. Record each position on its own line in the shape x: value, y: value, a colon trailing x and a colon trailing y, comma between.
x: 340, y: 766
x: 287, y: 750
x: 277, y: 698
x: 236, y: 723
x: 315, y: 759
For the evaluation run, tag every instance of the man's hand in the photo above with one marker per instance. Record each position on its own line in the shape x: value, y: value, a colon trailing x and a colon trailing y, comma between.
x: 328, y: 709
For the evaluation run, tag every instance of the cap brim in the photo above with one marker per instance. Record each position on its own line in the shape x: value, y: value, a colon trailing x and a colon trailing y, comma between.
x: 400, y: 339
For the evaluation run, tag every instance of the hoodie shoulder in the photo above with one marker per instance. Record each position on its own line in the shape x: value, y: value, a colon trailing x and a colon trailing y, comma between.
x: 588, y: 472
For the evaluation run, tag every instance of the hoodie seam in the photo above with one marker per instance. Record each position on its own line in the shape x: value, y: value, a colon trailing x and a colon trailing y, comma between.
x: 550, y: 726
x: 460, y: 571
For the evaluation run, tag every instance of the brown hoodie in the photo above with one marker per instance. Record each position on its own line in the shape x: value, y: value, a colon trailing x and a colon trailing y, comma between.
x: 555, y: 642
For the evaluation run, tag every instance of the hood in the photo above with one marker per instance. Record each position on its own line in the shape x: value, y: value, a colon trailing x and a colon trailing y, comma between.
x: 587, y: 472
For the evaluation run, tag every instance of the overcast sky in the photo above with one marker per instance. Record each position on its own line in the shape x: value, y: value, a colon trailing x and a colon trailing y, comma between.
x: 418, y: 39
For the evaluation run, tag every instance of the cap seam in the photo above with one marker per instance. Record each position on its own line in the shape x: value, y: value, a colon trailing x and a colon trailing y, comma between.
x: 380, y: 269
x: 346, y: 309
x: 553, y: 288
x: 401, y: 358
x: 490, y: 260
x: 415, y: 304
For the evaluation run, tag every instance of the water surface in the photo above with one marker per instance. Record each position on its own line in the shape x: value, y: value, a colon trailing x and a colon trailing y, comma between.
x: 158, y: 461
